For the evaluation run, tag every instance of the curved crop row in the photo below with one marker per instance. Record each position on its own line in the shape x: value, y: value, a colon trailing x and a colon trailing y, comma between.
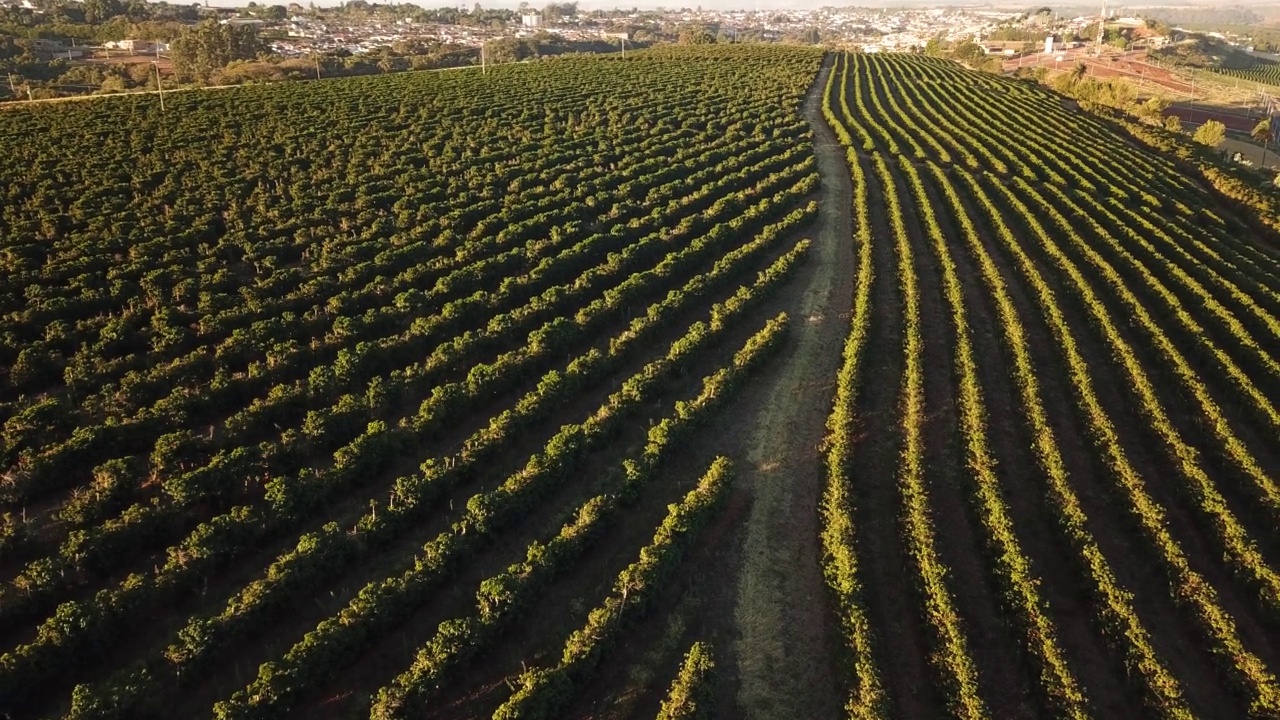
x: 544, y: 692
x: 1114, y: 607
x: 867, y: 699
x: 958, y: 672
x: 1192, y: 591
x: 1020, y: 581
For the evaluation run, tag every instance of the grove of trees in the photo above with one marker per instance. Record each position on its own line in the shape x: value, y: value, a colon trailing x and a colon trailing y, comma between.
x: 208, y: 47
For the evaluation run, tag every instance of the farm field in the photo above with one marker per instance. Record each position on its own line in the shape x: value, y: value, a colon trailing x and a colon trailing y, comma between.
x: 792, y: 384
x: 1056, y: 411
x: 358, y: 398
x: 1261, y: 70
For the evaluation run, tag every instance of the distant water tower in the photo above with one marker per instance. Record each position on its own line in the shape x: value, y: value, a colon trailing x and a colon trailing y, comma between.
x: 1048, y: 45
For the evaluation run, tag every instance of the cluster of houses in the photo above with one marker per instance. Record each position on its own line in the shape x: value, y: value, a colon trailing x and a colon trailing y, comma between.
x: 303, y: 33
x: 137, y: 47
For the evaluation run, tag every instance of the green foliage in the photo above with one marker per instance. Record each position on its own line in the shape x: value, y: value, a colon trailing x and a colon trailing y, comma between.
x: 1262, y: 131
x: 207, y: 48
x: 968, y: 52
x: 841, y: 566
x: 691, y: 695
x: 255, y: 360
x: 971, y: 54
x: 1020, y: 583
x: 1218, y: 57
x: 98, y: 11
x: 696, y: 37
x: 996, y: 150
x: 1152, y: 111
x: 1210, y: 134
x: 500, y: 598
x: 1116, y: 93
x: 1010, y: 32
x: 1200, y: 52
x: 544, y: 692
x: 353, y: 299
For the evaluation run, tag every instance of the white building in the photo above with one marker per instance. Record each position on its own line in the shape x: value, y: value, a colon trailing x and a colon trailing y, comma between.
x: 137, y: 46
x: 531, y: 20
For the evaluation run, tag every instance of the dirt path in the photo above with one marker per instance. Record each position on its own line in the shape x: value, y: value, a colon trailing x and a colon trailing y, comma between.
x: 785, y: 645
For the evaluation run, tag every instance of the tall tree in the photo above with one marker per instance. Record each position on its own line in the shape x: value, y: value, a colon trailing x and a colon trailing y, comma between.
x: 98, y: 11
x: 1262, y: 133
x: 201, y: 51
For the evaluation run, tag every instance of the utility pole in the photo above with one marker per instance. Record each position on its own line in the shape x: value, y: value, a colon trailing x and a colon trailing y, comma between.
x: 159, y: 84
x: 484, y: 70
x: 317, y: 57
x: 1102, y: 22
x: 624, y: 48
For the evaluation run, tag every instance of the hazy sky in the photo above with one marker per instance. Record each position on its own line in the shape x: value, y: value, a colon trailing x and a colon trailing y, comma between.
x: 1013, y: 5
x: 651, y: 4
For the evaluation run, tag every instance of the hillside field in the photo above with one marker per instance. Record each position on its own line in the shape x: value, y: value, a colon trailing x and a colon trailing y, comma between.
x: 750, y: 381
